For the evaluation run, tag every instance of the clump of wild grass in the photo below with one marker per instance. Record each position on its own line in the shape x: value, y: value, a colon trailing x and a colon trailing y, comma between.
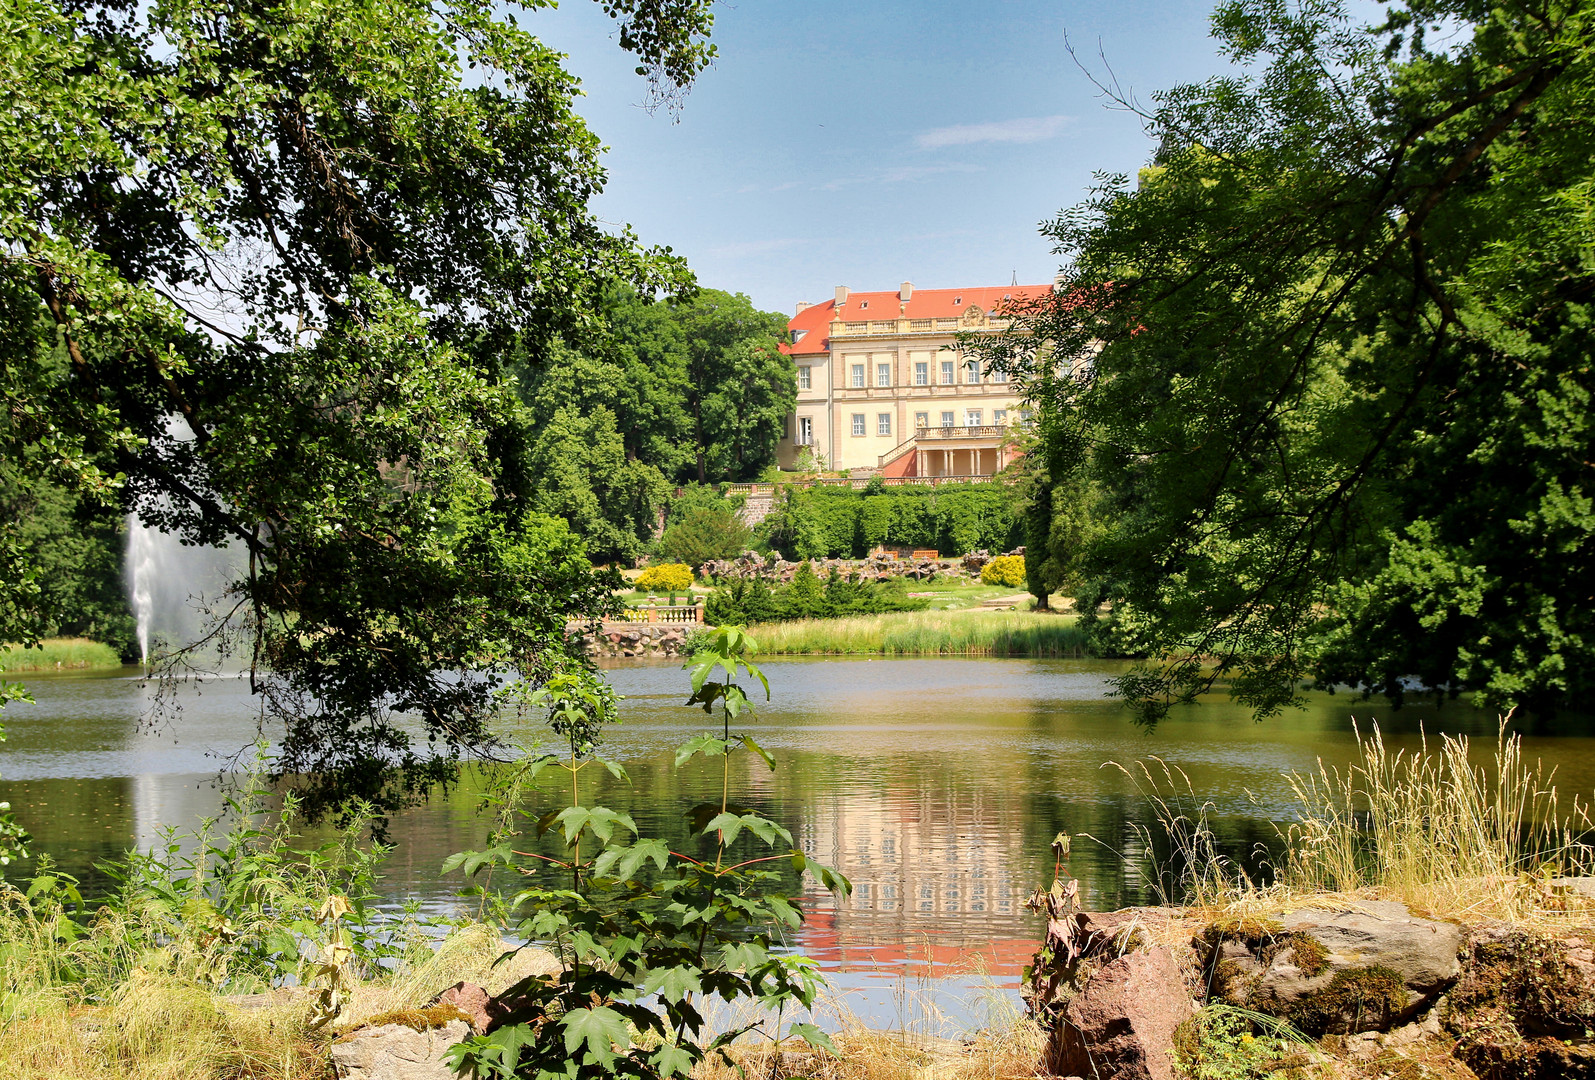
x: 926, y: 633
x: 58, y: 654
x: 1428, y: 827
x: 1432, y: 828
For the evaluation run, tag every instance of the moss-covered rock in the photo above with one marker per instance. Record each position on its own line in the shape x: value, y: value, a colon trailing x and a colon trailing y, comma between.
x: 1525, y: 1007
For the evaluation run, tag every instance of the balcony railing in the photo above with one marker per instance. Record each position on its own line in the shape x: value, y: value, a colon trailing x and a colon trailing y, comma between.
x: 952, y: 431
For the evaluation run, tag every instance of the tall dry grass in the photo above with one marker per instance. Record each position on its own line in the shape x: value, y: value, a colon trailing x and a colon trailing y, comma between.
x: 1429, y: 827
x: 926, y: 633
x: 1434, y: 829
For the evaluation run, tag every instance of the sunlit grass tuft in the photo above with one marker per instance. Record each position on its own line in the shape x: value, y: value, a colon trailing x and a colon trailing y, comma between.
x: 58, y: 654
x: 926, y: 633
x: 1432, y: 828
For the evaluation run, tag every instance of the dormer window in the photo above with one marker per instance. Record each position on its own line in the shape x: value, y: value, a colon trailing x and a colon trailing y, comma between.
x: 863, y: 304
x: 798, y: 335
x: 957, y: 300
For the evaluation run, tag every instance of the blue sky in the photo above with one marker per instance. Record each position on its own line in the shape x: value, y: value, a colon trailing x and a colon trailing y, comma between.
x: 864, y: 143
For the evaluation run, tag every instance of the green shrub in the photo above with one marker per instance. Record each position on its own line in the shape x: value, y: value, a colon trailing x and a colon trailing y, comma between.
x: 673, y: 577
x: 1005, y: 570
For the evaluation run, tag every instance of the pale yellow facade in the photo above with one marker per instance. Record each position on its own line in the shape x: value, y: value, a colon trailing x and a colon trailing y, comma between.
x: 890, y: 388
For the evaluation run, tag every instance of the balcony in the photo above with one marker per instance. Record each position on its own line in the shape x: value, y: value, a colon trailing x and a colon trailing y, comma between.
x: 974, y: 450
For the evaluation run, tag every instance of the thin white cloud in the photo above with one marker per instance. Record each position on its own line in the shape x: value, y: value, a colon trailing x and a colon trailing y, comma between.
x: 900, y: 174
x: 1025, y: 129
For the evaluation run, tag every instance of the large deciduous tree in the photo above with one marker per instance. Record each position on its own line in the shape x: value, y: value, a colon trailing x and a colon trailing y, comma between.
x: 259, y: 264
x: 720, y: 357
x: 1339, y: 401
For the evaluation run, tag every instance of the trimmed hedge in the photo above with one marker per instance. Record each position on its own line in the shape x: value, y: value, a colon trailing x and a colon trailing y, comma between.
x: 831, y: 522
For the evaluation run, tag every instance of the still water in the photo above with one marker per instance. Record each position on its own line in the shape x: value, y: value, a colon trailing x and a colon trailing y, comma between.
x: 934, y: 785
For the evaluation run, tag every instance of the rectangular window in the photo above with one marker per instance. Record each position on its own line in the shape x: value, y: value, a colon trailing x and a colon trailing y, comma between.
x: 883, y: 374
x: 921, y: 373
x: 972, y: 418
x: 883, y: 423
x: 805, y: 379
x: 922, y: 419
x: 805, y: 432
x: 971, y: 371
x: 858, y: 423
x: 858, y: 376
x: 947, y: 372
x: 947, y: 418
x: 997, y: 376
x: 999, y: 416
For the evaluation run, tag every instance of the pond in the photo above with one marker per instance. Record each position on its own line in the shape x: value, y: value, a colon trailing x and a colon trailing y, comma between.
x: 935, y: 785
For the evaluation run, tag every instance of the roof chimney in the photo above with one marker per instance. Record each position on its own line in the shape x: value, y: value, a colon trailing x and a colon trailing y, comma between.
x: 803, y: 305
x: 841, y: 295
x: 906, y: 293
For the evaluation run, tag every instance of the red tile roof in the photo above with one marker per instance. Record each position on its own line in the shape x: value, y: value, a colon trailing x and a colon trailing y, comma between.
x: 880, y: 306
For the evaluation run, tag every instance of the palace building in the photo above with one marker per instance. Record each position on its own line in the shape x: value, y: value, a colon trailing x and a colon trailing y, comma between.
x: 883, y: 386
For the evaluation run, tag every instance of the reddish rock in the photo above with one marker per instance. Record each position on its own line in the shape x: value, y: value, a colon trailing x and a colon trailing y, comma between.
x: 1121, y: 1025
x: 471, y: 1000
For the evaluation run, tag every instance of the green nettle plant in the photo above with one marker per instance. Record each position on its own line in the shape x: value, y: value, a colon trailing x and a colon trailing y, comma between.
x: 647, y: 934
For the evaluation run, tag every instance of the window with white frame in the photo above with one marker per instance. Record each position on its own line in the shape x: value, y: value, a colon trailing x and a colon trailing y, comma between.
x: 921, y: 373
x: 858, y: 376
x: 805, y: 431
x: 858, y: 423
x: 947, y: 369
x: 971, y: 371
x: 972, y: 418
x: 997, y: 376
x: 883, y: 374
x: 922, y: 420
x: 805, y: 378
x: 999, y: 416
x: 947, y: 419
x: 883, y: 423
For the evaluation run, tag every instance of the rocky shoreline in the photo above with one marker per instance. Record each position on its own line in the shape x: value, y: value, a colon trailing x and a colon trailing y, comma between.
x: 1375, y: 990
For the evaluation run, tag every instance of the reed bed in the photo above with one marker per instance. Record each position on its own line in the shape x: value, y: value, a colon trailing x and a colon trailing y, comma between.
x: 1447, y: 831
x: 58, y: 654
x: 926, y: 633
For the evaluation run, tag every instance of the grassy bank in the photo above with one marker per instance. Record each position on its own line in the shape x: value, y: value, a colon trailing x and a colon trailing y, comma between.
x: 58, y: 654
x: 925, y: 633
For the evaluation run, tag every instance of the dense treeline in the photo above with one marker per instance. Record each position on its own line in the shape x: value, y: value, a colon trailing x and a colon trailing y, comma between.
x: 838, y: 522
x: 77, y: 551
x: 682, y: 390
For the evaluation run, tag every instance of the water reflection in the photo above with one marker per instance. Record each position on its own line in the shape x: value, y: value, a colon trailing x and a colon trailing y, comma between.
x: 935, y: 785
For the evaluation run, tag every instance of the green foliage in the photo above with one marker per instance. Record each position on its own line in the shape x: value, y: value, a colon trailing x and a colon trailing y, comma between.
x: 672, y: 577
x: 1337, y: 400
x: 648, y: 934
x: 1057, y: 508
x: 832, y: 522
x: 748, y: 601
x: 1008, y: 570
x: 703, y: 525
x: 1223, y: 1042
x: 389, y: 203
x: 253, y: 908
x: 76, y: 548
x: 580, y: 467
x: 719, y: 387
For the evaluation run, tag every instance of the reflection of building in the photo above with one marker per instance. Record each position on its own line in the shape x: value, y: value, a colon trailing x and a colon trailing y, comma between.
x: 933, y: 876
x: 882, y: 385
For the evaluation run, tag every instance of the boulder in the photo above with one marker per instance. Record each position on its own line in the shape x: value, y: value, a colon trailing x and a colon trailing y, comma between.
x: 1120, y: 1026
x: 398, y: 1052
x: 1348, y: 970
